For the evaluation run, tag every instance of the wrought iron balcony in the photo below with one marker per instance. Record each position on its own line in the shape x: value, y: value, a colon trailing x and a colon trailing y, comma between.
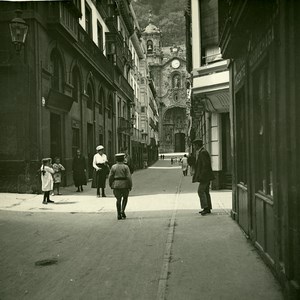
x: 126, y: 15
x: 124, y: 125
x: 151, y: 104
x: 136, y: 135
x: 103, y: 8
x: 93, y: 53
x: 152, y: 123
x: 112, y: 24
x: 115, y: 49
x: 124, y: 86
x: 63, y: 19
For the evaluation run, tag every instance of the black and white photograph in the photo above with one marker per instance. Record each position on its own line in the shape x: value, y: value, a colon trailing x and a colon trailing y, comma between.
x: 149, y: 149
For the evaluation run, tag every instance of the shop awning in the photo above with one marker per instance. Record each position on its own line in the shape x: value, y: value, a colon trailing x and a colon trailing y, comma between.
x: 214, y: 102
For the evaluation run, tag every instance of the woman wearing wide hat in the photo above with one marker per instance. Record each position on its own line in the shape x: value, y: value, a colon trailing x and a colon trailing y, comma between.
x: 100, y: 164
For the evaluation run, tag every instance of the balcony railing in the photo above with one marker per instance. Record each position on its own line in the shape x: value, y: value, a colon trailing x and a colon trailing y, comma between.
x: 126, y: 15
x: 112, y: 24
x: 126, y: 88
x: 103, y: 8
x: 127, y: 55
x: 124, y: 125
x: 151, y: 104
x: 94, y: 53
x: 152, y: 123
x: 63, y: 19
x: 115, y: 49
x: 136, y: 134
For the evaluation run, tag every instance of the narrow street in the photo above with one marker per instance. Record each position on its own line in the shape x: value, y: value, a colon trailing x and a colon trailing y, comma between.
x: 76, y: 248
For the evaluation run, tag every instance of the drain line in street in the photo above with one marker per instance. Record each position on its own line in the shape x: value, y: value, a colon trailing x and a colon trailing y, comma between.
x: 163, y: 279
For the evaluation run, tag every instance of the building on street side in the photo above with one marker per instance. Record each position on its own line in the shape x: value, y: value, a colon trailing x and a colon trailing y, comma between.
x: 72, y: 76
x: 261, y: 40
x: 167, y: 68
x: 138, y: 52
x: 210, y: 88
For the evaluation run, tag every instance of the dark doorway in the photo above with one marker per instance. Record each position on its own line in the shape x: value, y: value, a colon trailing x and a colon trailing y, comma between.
x: 179, y: 142
x: 55, y: 136
x: 226, y: 152
x: 90, y: 149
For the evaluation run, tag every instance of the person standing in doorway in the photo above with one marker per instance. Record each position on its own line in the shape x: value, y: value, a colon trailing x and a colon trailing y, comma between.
x: 47, y: 179
x: 79, y: 170
x: 121, y: 182
x: 100, y: 164
x: 203, y: 174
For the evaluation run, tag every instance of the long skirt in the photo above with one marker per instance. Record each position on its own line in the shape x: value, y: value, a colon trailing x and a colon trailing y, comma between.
x: 79, y: 178
x: 99, y: 178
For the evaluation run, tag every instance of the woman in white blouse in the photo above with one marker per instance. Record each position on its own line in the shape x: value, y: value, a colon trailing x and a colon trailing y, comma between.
x: 100, y: 164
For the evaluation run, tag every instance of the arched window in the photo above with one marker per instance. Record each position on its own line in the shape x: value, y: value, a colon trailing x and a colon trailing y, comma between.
x: 101, y: 101
x: 176, y: 82
x: 149, y: 46
x: 76, y: 94
x: 176, y: 97
x: 110, y: 107
x: 90, y: 94
x: 56, y: 68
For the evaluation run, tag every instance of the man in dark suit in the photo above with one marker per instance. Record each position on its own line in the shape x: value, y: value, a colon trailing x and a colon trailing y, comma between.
x: 203, y: 174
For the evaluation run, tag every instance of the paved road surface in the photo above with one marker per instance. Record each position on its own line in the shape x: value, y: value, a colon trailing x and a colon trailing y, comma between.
x: 164, y: 250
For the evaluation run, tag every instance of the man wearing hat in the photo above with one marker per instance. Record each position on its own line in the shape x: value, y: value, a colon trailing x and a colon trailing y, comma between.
x: 203, y: 174
x: 100, y: 164
x: 121, y: 182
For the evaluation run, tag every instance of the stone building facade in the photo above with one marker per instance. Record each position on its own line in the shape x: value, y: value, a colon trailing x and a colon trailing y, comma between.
x: 73, y: 86
x: 168, y: 70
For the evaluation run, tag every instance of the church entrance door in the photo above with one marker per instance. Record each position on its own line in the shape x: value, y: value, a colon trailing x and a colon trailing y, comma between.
x: 179, y: 142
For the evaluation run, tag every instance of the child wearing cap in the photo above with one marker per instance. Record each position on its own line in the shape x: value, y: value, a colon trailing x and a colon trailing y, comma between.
x: 121, y: 182
x: 47, y: 180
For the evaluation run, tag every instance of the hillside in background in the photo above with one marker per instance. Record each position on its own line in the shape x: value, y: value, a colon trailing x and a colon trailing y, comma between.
x: 168, y: 15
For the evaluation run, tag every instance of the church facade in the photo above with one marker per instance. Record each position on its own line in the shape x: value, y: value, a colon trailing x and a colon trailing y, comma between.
x: 168, y: 71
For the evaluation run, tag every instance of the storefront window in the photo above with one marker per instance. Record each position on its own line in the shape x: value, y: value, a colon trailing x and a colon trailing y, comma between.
x: 241, y: 131
x: 262, y: 130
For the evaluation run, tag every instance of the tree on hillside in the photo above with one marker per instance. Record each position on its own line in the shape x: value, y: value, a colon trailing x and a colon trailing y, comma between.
x: 168, y: 15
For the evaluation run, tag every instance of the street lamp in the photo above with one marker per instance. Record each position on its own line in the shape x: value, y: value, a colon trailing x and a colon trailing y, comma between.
x: 133, y: 120
x: 18, y: 31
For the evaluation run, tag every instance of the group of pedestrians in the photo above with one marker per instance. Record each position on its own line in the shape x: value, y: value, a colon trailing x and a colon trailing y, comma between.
x: 119, y: 175
x: 51, y: 175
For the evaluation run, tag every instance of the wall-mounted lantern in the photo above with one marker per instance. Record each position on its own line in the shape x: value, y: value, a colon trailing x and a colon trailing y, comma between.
x: 18, y: 31
x: 133, y: 120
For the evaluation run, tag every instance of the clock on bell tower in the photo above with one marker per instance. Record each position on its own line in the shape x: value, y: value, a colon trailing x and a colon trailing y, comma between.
x: 175, y: 63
